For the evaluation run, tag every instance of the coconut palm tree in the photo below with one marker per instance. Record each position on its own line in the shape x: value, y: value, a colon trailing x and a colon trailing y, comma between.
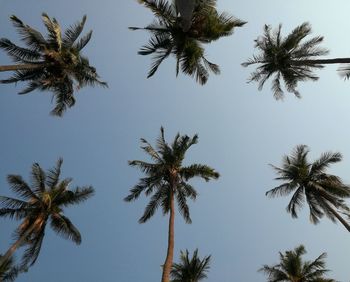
x: 323, y: 192
x: 8, y: 271
x: 43, y: 202
x: 53, y: 63
x: 190, y: 270
x: 176, y: 35
x: 292, y: 268
x: 291, y: 59
x: 167, y: 179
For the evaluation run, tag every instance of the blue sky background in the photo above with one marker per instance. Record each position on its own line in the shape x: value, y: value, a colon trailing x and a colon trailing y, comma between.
x: 240, y: 132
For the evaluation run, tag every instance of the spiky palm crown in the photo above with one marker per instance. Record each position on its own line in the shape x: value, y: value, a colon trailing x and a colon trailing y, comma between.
x: 310, y: 181
x: 292, y: 268
x: 168, y: 37
x: 8, y: 271
x: 190, y: 269
x: 61, y: 68
x: 166, y: 176
x: 282, y: 58
x: 42, y: 202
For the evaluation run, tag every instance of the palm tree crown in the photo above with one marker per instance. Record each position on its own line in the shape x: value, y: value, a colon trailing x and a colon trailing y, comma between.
x: 323, y: 192
x: 54, y: 63
x: 166, y: 176
x: 190, y: 270
x: 170, y: 36
x: 293, y: 269
x: 167, y: 179
x: 289, y: 58
x: 42, y: 202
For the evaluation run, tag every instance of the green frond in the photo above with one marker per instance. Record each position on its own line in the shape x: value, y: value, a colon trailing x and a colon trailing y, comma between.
x: 75, y: 196
x: 20, y: 187
x: 38, y: 177
x: 19, y: 54
x: 198, y: 170
x: 52, y: 176
x: 31, y: 253
x: 83, y: 41
x: 152, y: 206
x: 30, y: 36
x: 54, y: 32
x: 183, y: 207
x: 73, y: 32
x: 161, y: 9
x: 65, y: 228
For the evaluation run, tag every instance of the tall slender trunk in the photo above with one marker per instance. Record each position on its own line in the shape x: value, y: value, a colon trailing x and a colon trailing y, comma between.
x: 342, y: 220
x: 20, y: 67
x: 321, y: 61
x: 17, y: 244
x: 170, y: 252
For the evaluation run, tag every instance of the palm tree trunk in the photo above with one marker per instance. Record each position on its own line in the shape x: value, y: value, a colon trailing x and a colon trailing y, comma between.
x: 20, y: 67
x: 17, y: 244
x: 342, y: 220
x: 321, y: 61
x: 170, y: 252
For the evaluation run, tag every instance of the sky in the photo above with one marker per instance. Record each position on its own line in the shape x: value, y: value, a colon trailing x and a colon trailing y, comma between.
x: 241, y: 131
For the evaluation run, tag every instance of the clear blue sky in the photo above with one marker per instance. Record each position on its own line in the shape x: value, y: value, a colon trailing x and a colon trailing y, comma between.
x: 240, y: 129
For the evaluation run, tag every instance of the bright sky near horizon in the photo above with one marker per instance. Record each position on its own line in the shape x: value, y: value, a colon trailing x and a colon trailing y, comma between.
x: 241, y: 131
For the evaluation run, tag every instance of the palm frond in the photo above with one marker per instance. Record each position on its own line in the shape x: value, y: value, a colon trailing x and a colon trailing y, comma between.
x: 20, y: 187
x: 52, y: 177
x: 54, y: 32
x: 30, y: 36
x: 19, y: 54
x: 73, y: 32
x: 65, y: 228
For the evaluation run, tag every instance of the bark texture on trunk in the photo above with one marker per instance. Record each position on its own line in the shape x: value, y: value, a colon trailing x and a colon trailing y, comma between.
x: 321, y: 61
x: 20, y: 67
x: 170, y: 252
x: 342, y: 220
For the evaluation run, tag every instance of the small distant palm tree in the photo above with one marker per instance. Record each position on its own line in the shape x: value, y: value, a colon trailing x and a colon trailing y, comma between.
x: 293, y: 269
x: 190, y: 269
x: 167, y: 179
x: 8, y: 271
x: 54, y: 63
x: 290, y: 59
x: 183, y: 37
x: 42, y: 203
x: 323, y: 192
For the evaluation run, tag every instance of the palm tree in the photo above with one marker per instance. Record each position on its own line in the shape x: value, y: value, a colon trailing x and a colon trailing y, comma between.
x: 43, y: 202
x: 54, y: 63
x: 290, y: 59
x: 324, y: 193
x: 190, y: 270
x: 8, y: 271
x: 292, y: 268
x: 167, y: 179
x: 173, y: 34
